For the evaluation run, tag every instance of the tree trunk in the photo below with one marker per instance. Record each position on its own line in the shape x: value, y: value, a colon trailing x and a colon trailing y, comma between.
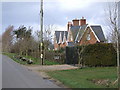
x: 80, y: 57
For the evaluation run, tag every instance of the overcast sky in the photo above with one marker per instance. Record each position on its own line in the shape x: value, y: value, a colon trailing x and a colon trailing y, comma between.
x: 56, y: 12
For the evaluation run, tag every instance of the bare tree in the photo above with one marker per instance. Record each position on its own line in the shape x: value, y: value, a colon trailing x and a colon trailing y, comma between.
x: 7, y: 38
x: 47, y: 35
x: 38, y: 36
x: 48, y: 32
x: 24, y: 38
x: 112, y: 12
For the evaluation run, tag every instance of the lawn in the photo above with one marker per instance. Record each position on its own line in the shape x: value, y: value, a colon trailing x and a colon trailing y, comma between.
x: 36, y: 61
x: 82, y: 78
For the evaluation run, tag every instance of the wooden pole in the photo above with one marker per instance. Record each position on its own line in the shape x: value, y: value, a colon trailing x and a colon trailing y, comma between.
x: 118, y: 63
x: 41, y: 26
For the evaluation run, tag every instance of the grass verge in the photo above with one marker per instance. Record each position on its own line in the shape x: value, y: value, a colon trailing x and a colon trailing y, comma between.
x: 36, y: 61
x: 82, y: 78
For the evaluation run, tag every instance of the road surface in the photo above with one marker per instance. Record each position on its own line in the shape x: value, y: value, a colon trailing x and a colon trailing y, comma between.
x: 16, y: 76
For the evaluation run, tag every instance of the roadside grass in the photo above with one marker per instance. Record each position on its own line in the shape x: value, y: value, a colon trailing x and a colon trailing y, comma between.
x: 36, y: 61
x: 81, y: 78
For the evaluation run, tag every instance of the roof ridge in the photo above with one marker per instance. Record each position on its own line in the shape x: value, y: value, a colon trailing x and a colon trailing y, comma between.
x: 60, y: 31
x: 94, y: 25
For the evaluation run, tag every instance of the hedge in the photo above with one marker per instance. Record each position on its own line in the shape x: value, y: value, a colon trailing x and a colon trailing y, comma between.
x: 102, y: 54
x: 71, y: 55
x: 50, y: 55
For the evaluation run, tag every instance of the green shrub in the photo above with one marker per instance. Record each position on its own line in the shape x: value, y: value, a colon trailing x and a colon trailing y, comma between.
x: 71, y: 55
x: 93, y: 55
x: 99, y: 55
x: 50, y: 55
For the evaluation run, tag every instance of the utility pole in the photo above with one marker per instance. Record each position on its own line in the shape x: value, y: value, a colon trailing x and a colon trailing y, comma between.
x: 118, y: 63
x: 118, y: 53
x: 41, y: 27
x: 118, y: 43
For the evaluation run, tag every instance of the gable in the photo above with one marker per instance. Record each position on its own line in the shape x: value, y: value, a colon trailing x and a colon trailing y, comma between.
x: 77, y: 31
x: 80, y: 33
x: 88, y: 37
x: 57, y: 35
x: 85, y: 34
x: 98, y: 32
x: 70, y: 36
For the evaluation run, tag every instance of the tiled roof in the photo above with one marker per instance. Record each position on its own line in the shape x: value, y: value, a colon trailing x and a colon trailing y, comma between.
x: 57, y: 34
x: 74, y: 30
x: 80, y: 31
x: 77, y: 32
x: 99, y: 32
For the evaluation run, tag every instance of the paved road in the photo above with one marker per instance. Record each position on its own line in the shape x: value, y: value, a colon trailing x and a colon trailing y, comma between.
x: 16, y: 76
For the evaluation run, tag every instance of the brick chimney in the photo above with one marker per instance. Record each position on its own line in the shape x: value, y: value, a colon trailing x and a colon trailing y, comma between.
x: 69, y: 25
x: 82, y: 21
x: 75, y: 22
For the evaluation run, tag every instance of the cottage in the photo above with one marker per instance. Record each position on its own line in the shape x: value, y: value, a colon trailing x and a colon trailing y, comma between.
x: 78, y: 32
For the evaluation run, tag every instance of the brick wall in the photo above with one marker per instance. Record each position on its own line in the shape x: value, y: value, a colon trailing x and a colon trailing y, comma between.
x: 63, y: 45
x: 55, y: 46
x: 84, y: 40
x: 76, y: 22
x: 82, y: 22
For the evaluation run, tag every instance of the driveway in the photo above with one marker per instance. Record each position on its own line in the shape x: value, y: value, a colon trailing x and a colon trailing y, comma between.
x: 50, y: 67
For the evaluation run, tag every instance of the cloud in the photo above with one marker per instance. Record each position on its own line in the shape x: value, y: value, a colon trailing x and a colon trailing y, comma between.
x: 71, y: 5
x: 56, y: 12
x: 20, y: 12
x: 60, y: 27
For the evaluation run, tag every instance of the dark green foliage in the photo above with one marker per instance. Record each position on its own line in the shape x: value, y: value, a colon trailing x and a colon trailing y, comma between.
x: 93, y: 55
x: 61, y: 50
x: 22, y: 32
x: 99, y: 55
x: 71, y: 55
x: 50, y: 55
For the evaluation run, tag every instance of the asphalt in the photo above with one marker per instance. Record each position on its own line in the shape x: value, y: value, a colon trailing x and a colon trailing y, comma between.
x: 15, y: 75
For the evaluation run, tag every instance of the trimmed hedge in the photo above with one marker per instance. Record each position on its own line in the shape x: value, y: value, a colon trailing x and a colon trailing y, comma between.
x: 101, y: 54
x: 50, y: 55
x: 71, y: 55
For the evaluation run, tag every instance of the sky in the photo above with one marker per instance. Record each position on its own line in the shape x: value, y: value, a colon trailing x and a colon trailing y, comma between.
x: 56, y: 12
x: 119, y: 14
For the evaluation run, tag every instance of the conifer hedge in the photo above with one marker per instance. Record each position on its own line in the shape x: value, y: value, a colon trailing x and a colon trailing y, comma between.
x: 102, y: 54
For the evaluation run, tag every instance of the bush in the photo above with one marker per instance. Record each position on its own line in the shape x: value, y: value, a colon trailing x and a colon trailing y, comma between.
x: 93, y: 55
x: 71, y: 55
x: 50, y: 55
x: 99, y: 55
